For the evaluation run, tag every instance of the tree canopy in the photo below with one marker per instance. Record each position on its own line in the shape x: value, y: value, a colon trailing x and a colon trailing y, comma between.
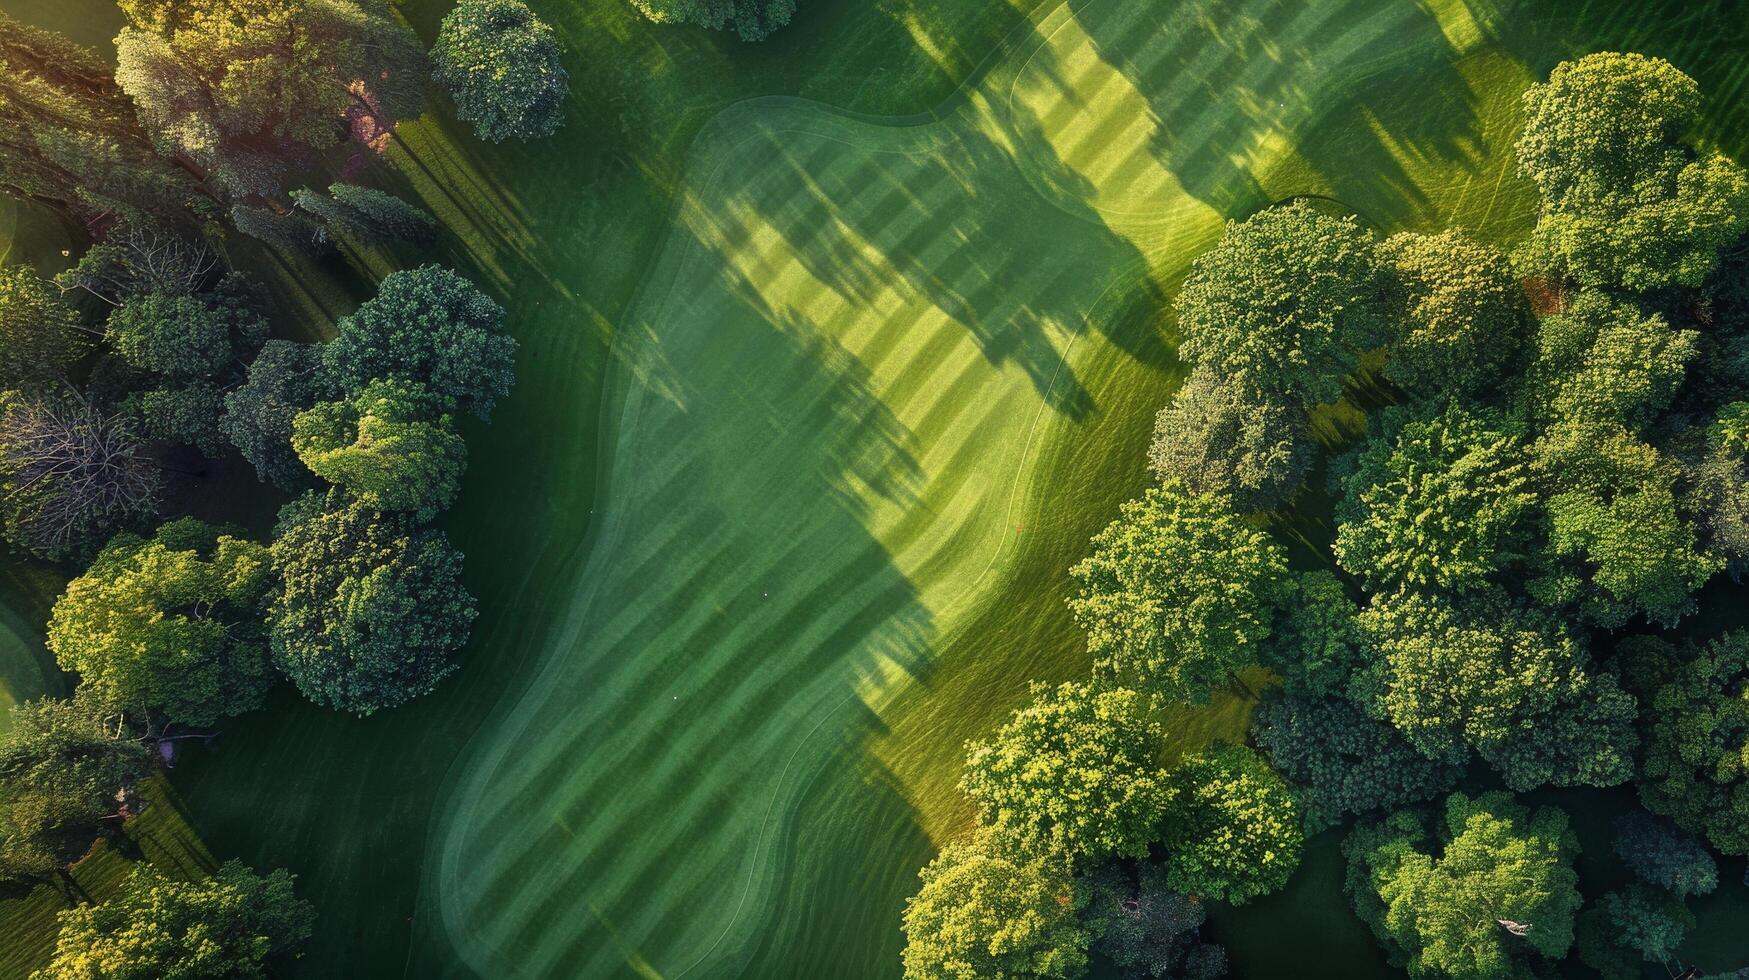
x: 228, y: 926
x: 1178, y: 593
x: 753, y: 20
x: 1316, y: 643
x: 39, y: 334
x: 1214, y: 439
x: 1660, y: 854
x: 370, y: 609
x: 1460, y: 310
x: 1284, y: 304
x: 1626, y: 202
x: 70, y: 475
x: 1074, y: 773
x: 1231, y: 828
x: 428, y: 326
x: 170, y: 624
x: 1696, y: 765
x: 1148, y: 930
x: 501, y: 64
x: 393, y: 446
x: 283, y: 380
x: 982, y: 913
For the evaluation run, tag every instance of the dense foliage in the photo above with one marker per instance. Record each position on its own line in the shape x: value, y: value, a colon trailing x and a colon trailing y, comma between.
x: 1231, y: 828
x: 1148, y: 930
x: 1212, y: 439
x: 283, y: 380
x: 393, y: 446
x: 228, y: 926
x: 1178, y: 593
x: 39, y: 333
x: 1696, y: 768
x: 753, y: 20
x: 501, y: 64
x: 1461, y: 311
x: 984, y: 914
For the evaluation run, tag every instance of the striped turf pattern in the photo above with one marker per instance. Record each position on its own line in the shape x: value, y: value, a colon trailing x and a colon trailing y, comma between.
x: 828, y: 392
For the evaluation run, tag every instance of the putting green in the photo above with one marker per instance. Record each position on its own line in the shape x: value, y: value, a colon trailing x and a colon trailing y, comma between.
x: 831, y: 400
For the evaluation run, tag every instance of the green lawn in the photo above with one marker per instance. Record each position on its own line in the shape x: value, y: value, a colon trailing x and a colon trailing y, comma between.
x: 816, y: 406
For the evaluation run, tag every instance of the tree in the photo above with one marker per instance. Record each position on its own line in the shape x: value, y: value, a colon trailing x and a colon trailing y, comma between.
x: 1178, y: 593
x: 1316, y: 643
x: 1461, y: 309
x: 1629, y: 927
x: 63, y: 772
x: 144, y: 259
x: 248, y: 90
x: 1625, y: 201
x: 1616, y: 545
x: 982, y: 913
x: 1452, y: 914
x: 393, y: 446
x: 754, y: 20
x: 501, y: 65
x: 182, y: 415
x: 1148, y: 930
x: 1660, y: 854
x: 367, y: 214
x: 1284, y: 305
x: 1073, y: 774
x: 228, y: 926
x: 1214, y: 440
x: 1502, y: 678
x: 1340, y: 761
x: 39, y: 334
x: 1696, y: 765
x: 283, y: 380
x: 69, y: 139
x: 370, y: 610
x: 431, y: 326
x: 1440, y: 502
x: 1603, y: 361
x: 293, y: 231
x: 1231, y: 828
x: 187, y: 335
x: 169, y: 626
x: 70, y: 475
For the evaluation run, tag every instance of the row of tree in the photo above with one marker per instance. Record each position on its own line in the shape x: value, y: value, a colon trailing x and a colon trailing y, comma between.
x: 1563, y: 465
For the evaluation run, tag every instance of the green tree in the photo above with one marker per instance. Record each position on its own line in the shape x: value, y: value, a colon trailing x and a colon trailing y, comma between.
x: 1453, y: 914
x: 1341, y: 762
x: 1604, y: 361
x: 182, y: 415
x: 1435, y: 503
x: 39, y: 334
x: 373, y: 217
x: 1316, y: 643
x: 1148, y: 930
x: 186, y: 335
x: 169, y: 626
x: 501, y: 64
x: 1178, y: 593
x: 1616, y: 546
x: 393, y: 446
x: 431, y: 326
x: 1284, y: 305
x: 1215, y: 440
x: 1629, y: 927
x: 248, y: 90
x: 1502, y: 678
x: 1660, y: 854
x: 1696, y: 765
x: 1625, y: 200
x: 284, y: 379
x: 294, y: 231
x: 1074, y: 773
x: 70, y: 475
x: 61, y: 768
x: 1231, y: 828
x: 371, y: 609
x: 753, y: 20
x: 1461, y: 309
x: 69, y: 139
x: 228, y: 926
x: 983, y: 914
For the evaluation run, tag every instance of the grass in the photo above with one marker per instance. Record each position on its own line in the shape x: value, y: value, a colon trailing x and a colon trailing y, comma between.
x: 816, y: 407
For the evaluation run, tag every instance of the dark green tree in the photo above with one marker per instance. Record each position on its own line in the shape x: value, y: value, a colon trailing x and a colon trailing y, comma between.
x: 1231, y: 828
x: 1603, y: 361
x: 754, y: 20
x: 1629, y: 927
x: 1215, y: 440
x: 371, y: 216
x: 1148, y: 930
x: 1460, y: 309
x: 284, y: 379
x: 1075, y: 773
x: 1178, y: 593
x: 1696, y: 765
x: 430, y: 326
x: 1626, y: 200
x: 1660, y: 854
x: 169, y: 626
x: 226, y: 927
x: 501, y: 65
x: 393, y: 446
x: 39, y: 334
x: 1316, y: 643
x: 985, y: 913
x: 371, y: 609
x: 64, y: 771
x: 1284, y: 305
